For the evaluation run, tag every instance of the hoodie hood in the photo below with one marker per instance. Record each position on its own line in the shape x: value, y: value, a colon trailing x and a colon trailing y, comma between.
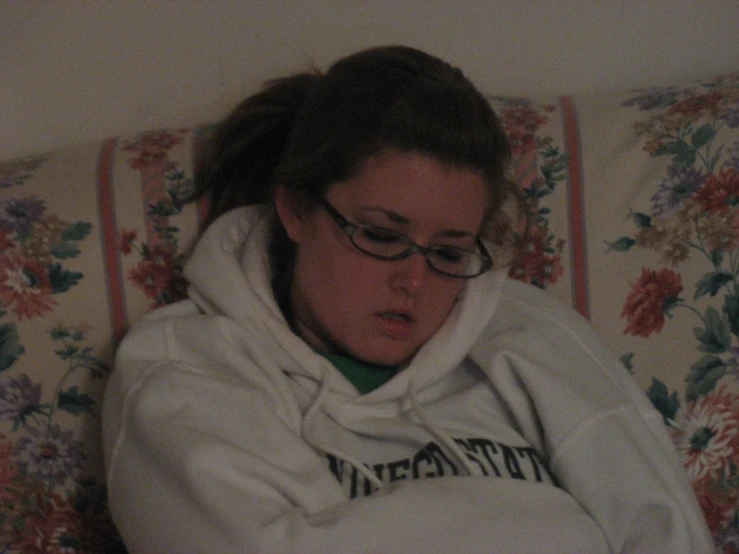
x: 236, y: 243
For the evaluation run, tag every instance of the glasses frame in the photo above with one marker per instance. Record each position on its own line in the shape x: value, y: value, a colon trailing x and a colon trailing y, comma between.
x: 348, y: 228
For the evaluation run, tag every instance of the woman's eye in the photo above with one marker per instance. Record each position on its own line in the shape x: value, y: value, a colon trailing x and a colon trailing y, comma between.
x: 380, y: 235
x: 450, y: 254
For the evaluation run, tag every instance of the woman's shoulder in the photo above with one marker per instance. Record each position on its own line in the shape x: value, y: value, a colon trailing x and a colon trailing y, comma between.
x: 182, y: 339
x: 149, y: 336
x: 549, y: 337
x: 181, y: 344
x: 177, y: 336
x: 523, y: 302
x: 534, y: 323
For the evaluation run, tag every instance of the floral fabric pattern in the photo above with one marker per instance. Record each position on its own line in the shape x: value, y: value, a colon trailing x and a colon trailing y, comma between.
x: 538, y: 165
x: 16, y: 172
x: 657, y: 262
x: 52, y: 494
x: 652, y: 297
x: 46, y: 502
x: 693, y: 221
x: 159, y: 270
x: 35, y: 242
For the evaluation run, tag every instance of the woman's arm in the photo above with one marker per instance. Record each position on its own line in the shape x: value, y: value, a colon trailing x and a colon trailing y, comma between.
x: 606, y: 444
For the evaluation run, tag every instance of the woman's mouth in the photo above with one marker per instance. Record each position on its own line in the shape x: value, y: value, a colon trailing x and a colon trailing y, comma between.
x: 394, y: 324
x: 397, y: 316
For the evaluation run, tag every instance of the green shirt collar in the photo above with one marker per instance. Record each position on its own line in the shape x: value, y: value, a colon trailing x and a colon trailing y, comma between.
x: 365, y: 377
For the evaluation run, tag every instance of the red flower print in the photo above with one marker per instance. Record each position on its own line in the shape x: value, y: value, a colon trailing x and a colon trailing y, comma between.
x: 697, y: 105
x: 548, y: 271
x: 54, y: 527
x: 25, y: 287
x: 155, y: 274
x: 650, y: 299
x: 162, y: 263
x: 523, y: 116
x: 534, y: 262
x: 8, y: 468
x: 145, y: 278
x: 708, y: 435
x: 521, y: 121
x: 716, y: 508
x: 126, y: 240
x: 5, y: 243
x: 152, y: 147
x: 521, y: 142
x: 719, y: 193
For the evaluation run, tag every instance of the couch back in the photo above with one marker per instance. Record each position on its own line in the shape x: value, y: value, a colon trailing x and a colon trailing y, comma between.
x: 635, y: 222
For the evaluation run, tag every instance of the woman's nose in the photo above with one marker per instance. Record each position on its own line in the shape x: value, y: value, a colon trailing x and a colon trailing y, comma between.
x: 410, y: 274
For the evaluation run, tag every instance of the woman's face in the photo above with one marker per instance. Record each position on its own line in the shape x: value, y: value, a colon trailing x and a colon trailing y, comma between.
x: 379, y: 311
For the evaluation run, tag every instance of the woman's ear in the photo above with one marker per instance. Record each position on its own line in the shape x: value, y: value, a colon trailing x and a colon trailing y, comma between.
x: 290, y: 213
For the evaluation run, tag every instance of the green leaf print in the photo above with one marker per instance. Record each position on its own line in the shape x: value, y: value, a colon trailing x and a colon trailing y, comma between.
x: 10, y: 347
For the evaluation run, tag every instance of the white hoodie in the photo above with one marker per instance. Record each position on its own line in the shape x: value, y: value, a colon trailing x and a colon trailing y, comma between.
x: 513, y: 429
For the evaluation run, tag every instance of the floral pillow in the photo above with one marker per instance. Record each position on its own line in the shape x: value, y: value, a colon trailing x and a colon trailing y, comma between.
x: 90, y: 239
x: 634, y: 222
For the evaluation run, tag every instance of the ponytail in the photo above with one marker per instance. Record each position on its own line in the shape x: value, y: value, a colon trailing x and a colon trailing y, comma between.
x: 239, y: 163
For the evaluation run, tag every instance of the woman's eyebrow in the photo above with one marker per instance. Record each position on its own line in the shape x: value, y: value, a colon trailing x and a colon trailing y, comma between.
x: 395, y: 217
x: 401, y: 220
x: 456, y: 234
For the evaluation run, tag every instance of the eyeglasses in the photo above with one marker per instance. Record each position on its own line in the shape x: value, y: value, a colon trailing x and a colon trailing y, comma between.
x: 386, y: 244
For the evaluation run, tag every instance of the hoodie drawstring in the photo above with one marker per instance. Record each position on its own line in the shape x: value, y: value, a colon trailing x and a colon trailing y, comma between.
x: 437, y: 432
x: 305, y: 426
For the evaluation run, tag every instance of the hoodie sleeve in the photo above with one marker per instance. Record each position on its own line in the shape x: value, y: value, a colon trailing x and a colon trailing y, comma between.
x: 606, y: 444
x: 202, y: 464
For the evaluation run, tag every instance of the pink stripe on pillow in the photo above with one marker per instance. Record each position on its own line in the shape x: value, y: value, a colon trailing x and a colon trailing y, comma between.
x: 578, y: 247
x: 109, y: 239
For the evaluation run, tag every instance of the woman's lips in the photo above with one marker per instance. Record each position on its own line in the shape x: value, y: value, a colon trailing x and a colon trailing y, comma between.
x: 395, y: 324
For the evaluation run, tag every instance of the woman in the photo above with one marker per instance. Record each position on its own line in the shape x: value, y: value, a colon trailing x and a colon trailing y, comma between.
x: 353, y: 372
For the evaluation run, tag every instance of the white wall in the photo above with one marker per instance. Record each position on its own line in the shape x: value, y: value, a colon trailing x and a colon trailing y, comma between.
x: 74, y: 70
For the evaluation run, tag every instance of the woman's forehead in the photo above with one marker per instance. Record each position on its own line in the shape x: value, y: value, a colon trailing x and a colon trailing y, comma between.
x: 409, y: 187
